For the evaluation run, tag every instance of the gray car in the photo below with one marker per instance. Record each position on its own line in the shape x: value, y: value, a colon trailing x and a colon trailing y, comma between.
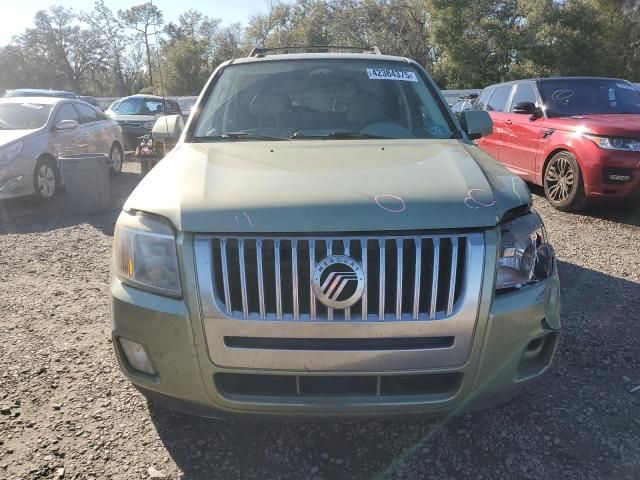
x: 36, y: 131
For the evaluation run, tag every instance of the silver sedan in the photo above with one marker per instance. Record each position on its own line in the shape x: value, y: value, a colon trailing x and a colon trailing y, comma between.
x: 36, y: 131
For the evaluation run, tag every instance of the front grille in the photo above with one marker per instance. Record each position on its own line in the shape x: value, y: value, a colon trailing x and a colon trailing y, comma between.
x: 270, y: 278
x: 436, y: 384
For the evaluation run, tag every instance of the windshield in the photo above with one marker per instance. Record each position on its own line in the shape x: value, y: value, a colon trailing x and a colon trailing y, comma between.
x: 331, y: 99
x: 186, y: 103
x: 569, y: 97
x: 138, y: 106
x: 23, y: 116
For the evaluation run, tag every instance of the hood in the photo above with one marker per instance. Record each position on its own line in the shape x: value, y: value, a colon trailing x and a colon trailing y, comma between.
x: 623, y: 125
x: 328, y: 186
x: 9, y: 136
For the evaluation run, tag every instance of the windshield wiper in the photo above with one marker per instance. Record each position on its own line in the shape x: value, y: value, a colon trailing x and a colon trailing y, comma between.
x: 236, y: 136
x: 250, y: 136
x: 337, y: 136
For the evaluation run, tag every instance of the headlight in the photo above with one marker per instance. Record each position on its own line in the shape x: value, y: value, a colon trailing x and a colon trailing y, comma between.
x: 616, y: 143
x: 144, y: 254
x: 10, y: 153
x: 525, y: 257
x: 148, y: 125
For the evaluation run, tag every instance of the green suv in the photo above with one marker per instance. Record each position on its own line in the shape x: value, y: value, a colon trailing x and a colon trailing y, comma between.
x: 326, y: 240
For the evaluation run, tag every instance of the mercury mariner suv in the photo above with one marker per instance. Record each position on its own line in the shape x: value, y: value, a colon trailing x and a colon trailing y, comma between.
x: 326, y: 240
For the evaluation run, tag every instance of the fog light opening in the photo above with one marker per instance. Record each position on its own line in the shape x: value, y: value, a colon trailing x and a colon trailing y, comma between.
x: 537, y: 356
x: 534, y: 346
x: 11, y: 184
x: 136, y: 355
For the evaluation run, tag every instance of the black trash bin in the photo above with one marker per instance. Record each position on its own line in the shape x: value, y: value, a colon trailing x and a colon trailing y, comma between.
x: 86, y: 181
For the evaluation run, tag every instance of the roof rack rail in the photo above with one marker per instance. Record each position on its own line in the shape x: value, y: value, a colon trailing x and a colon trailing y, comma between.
x: 261, y: 52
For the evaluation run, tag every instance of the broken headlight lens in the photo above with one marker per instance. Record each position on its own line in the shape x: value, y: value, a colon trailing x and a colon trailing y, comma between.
x: 144, y: 254
x: 525, y: 256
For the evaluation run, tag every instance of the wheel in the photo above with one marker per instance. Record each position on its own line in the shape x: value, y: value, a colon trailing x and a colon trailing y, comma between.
x: 116, y: 158
x: 46, y: 179
x: 563, y: 184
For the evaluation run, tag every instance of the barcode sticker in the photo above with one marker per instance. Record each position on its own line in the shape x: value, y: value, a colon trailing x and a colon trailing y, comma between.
x: 391, y: 74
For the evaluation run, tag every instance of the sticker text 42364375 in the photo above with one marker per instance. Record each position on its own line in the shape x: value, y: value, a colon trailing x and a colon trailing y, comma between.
x: 391, y: 74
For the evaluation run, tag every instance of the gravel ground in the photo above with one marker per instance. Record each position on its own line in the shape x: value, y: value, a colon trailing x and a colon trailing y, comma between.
x: 66, y: 411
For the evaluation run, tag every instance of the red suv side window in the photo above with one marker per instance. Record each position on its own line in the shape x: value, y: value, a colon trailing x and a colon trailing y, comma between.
x: 498, y: 101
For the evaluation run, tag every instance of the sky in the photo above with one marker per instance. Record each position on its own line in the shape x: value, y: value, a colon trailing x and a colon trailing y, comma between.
x: 18, y: 15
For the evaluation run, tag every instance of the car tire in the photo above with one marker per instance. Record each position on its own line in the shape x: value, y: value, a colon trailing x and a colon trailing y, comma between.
x: 117, y: 157
x: 46, y: 179
x: 563, y: 183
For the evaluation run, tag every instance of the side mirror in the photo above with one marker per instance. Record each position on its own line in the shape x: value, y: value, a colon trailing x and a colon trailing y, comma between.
x: 476, y: 123
x: 527, y: 108
x: 66, y: 125
x: 168, y: 127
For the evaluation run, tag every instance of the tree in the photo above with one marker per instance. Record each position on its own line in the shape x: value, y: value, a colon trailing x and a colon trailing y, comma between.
x: 103, y: 20
x: 144, y: 20
x: 194, y: 47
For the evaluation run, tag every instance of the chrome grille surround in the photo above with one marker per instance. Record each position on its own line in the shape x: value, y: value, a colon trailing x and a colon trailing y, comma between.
x: 408, y: 277
x: 270, y: 314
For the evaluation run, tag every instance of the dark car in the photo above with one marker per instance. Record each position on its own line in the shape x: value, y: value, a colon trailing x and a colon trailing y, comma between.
x: 578, y: 137
x: 90, y: 100
x: 37, y: 92
x: 186, y: 105
x: 137, y: 114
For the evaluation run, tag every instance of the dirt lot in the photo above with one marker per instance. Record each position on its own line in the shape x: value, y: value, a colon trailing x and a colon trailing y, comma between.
x: 66, y: 411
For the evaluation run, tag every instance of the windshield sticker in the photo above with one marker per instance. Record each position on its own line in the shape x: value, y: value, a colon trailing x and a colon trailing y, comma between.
x: 390, y: 74
x: 31, y: 105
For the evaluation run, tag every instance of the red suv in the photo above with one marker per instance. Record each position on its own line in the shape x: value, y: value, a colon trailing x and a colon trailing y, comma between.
x: 577, y: 137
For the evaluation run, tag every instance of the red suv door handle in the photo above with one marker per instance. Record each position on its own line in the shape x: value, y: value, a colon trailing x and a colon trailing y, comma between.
x: 508, y: 122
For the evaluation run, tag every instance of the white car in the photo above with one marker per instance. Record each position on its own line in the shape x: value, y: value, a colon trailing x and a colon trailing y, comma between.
x: 36, y: 131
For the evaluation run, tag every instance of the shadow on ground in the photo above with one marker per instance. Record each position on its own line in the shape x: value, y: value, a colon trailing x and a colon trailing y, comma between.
x: 570, y: 421
x: 626, y: 211
x: 29, y: 215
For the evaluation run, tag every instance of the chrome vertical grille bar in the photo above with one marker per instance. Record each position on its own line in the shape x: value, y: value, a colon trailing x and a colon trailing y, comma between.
x: 454, y: 267
x: 294, y: 278
x: 276, y: 249
x: 312, y: 265
x: 225, y: 274
x: 346, y: 246
x: 260, y: 278
x: 243, y: 278
x: 416, y: 280
x: 434, y: 279
x: 363, y: 246
x: 399, y: 252
x: 381, y: 281
x: 329, y: 243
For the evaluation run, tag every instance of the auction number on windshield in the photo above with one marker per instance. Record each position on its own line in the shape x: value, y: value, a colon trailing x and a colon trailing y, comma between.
x: 390, y: 74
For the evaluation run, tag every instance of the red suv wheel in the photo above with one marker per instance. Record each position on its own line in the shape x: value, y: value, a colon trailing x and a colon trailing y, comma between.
x: 563, y: 185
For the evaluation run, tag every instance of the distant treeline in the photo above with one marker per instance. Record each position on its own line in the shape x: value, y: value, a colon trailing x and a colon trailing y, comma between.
x: 464, y: 43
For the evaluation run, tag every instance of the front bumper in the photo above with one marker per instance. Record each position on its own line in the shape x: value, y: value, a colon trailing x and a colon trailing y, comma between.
x: 514, y: 341
x: 16, y: 179
x: 603, y: 170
